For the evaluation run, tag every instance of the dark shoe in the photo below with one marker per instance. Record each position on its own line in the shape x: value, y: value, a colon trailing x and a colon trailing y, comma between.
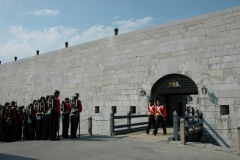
x: 154, y: 134
x: 147, y: 132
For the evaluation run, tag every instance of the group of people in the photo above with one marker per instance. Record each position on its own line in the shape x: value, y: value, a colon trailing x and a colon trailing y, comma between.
x: 40, y: 120
x: 156, y: 114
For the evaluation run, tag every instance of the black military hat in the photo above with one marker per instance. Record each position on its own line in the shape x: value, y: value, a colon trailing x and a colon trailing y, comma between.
x: 34, y: 101
x: 56, y: 92
x: 66, y: 99
x: 77, y: 94
x: 150, y: 100
x: 21, y: 107
x: 12, y: 103
x: 42, y: 98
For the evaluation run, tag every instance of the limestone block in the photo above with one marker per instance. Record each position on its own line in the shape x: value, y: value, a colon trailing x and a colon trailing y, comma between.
x: 237, y: 71
x: 228, y: 72
x: 215, y: 60
x: 236, y: 64
x: 114, y: 81
x: 226, y: 101
x: 210, y: 54
x: 227, y: 65
x: 237, y: 101
x: 223, y: 86
x: 234, y: 51
x: 211, y: 121
x: 211, y: 115
x: 222, y: 53
x: 225, y: 93
x: 215, y: 72
x: 214, y: 66
x: 229, y: 58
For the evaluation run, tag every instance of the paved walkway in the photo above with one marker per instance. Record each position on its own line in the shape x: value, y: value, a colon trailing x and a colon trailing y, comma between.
x: 159, y: 136
x: 108, y: 148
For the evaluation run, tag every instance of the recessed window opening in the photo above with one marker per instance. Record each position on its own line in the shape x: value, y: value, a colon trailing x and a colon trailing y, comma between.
x: 224, y: 109
x: 114, y: 109
x: 133, y: 109
x: 96, y: 109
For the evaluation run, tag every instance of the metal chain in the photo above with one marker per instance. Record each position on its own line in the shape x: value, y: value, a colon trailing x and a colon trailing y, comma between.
x: 221, y: 129
x: 100, y: 120
x: 84, y: 120
x: 95, y: 120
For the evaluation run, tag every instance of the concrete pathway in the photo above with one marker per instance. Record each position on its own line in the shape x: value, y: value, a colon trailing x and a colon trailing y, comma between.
x: 108, y: 148
x: 143, y: 135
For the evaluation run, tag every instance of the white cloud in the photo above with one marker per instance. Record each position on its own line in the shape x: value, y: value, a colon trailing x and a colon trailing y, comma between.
x: 116, y: 17
x: 100, y: 31
x: 24, y: 43
x: 5, y: 3
x: 45, y: 12
x: 131, y: 24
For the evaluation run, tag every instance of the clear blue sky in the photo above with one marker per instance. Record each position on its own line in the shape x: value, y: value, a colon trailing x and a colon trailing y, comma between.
x: 45, y: 25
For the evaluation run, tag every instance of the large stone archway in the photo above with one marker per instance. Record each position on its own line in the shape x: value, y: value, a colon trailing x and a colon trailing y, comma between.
x: 174, y: 91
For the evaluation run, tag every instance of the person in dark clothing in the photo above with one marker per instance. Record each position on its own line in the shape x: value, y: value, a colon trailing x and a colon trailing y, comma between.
x: 151, y: 115
x: 75, y: 115
x: 19, y: 123
x: 54, y: 116
x: 161, y: 117
x: 25, y: 124
x: 66, y: 109
x: 46, y: 128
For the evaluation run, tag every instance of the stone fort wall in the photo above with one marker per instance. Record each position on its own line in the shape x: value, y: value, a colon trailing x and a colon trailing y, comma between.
x: 111, y: 71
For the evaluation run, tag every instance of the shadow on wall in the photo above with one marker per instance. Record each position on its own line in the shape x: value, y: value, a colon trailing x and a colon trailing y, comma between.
x: 210, y: 135
x: 10, y: 157
x: 213, y: 98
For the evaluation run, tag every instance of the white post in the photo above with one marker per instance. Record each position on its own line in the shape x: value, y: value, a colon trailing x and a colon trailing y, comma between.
x: 238, y: 128
x: 182, y: 131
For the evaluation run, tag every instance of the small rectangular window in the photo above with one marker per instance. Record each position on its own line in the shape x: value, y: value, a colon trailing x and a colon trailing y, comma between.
x: 96, y: 109
x: 133, y: 109
x: 114, y: 109
x: 224, y: 109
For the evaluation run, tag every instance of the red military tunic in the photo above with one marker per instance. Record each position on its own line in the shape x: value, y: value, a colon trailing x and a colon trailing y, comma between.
x: 34, y: 112
x: 14, y: 113
x: 58, y: 105
x: 68, y: 107
x: 151, y: 110
x: 80, y: 106
x: 20, y: 115
x: 163, y: 111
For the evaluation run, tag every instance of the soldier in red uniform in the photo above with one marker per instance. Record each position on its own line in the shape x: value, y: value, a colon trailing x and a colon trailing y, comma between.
x: 19, y: 122
x: 54, y: 117
x: 4, y: 122
x: 14, y: 119
x: 1, y: 121
x: 31, y: 121
x: 75, y: 116
x: 151, y: 115
x: 46, y: 128
x: 161, y: 117
x: 66, y: 109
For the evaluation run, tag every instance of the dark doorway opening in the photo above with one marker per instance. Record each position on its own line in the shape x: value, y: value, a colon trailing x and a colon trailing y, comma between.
x: 173, y: 91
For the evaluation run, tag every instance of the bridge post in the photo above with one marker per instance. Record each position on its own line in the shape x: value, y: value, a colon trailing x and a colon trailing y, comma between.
x: 90, y: 126
x: 182, y: 131
x: 111, y: 124
x: 238, y: 128
x: 175, y: 126
x: 129, y: 120
x: 187, y: 126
